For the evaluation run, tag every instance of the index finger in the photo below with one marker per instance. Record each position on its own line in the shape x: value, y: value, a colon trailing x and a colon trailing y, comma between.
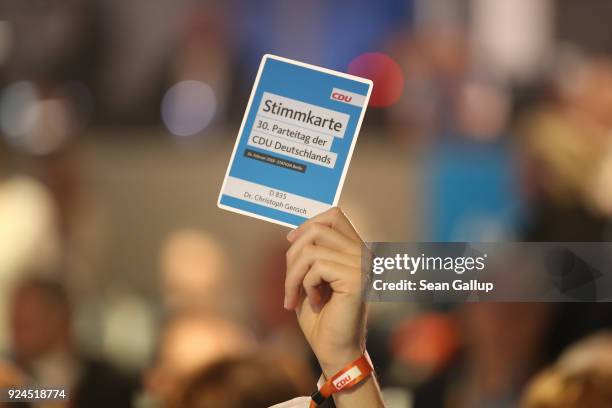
x: 333, y: 218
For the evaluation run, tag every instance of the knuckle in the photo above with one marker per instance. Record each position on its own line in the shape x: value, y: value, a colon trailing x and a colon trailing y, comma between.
x: 336, y: 212
x: 314, y: 229
x: 318, y: 265
x: 309, y: 251
x: 306, y: 283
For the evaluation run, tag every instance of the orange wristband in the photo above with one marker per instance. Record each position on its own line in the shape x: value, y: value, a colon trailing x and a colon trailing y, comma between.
x: 349, y: 376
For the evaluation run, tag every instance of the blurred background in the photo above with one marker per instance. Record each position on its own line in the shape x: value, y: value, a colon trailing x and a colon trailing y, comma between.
x: 120, y: 279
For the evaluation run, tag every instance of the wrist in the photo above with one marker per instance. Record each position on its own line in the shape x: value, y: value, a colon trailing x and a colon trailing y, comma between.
x: 330, y: 366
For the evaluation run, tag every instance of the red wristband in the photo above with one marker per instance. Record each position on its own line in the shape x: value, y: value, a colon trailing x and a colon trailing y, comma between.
x: 349, y: 376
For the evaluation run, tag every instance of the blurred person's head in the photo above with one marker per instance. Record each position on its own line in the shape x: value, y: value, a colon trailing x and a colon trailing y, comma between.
x: 506, y: 333
x: 581, y: 378
x: 426, y: 342
x: 554, y: 388
x: 189, y: 343
x: 595, y: 102
x: 482, y: 110
x: 591, y: 354
x: 447, y: 49
x: 40, y: 319
x: 193, y: 268
x: 504, y: 345
x: 593, y: 93
x: 567, y: 141
x: 252, y: 381
x: 12, y: 377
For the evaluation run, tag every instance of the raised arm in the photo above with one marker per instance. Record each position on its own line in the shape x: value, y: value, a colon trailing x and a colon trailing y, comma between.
x: 323, y: 286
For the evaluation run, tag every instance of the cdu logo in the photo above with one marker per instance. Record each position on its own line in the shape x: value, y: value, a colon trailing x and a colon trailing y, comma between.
x: 341, y: 97
x: 346, y: 378
x: 351, y: 98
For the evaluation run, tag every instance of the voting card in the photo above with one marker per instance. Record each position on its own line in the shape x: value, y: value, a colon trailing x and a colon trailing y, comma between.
x: 295, y: 142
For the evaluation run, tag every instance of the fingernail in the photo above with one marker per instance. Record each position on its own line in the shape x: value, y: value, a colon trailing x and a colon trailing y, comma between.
x: 291, y: 234
x: 285, y: 303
